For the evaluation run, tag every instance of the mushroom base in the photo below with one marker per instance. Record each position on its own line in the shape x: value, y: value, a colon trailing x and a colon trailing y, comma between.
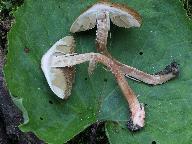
x: 136, y: 122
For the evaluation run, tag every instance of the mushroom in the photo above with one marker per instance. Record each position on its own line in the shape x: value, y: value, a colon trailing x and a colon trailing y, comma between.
x: 100, y: 14
x: 59, y: 79
x: 136, y: 121
x: 58, y: 62
x: 137, y: 110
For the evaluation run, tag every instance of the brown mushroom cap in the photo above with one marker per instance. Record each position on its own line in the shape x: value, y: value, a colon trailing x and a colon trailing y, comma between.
x: 120, y: 15
x: 60, y: 80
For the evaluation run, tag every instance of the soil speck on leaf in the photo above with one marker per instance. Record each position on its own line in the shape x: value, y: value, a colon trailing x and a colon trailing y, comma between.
x: 50, y: 102
x: 26, y: 50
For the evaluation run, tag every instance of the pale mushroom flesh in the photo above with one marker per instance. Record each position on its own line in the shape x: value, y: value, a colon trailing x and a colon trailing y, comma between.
x: 60, y: 80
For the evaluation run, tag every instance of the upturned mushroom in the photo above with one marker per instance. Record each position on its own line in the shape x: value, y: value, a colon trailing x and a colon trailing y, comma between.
x: 100, y: 14
x: 60, y: 80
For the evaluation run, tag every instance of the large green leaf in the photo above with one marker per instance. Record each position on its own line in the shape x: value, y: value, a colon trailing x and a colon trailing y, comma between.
x: 164, y: 36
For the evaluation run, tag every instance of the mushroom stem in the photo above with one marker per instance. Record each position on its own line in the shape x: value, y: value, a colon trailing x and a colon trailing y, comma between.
x: 137, y: 110
x: 103, y: 26
x: 136, y: 121
x: 170, y: 72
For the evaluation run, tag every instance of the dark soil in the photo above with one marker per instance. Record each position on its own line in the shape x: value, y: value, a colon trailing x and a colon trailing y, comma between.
x: 10, y: 115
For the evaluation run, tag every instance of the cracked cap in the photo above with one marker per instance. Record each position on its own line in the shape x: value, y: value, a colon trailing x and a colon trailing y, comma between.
x: 119, y: 14
x: 59, y: 79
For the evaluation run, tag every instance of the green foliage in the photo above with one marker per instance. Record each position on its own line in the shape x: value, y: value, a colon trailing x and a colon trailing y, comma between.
x: 164, y: 36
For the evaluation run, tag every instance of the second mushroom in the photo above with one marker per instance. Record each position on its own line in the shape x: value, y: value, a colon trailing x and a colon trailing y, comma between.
x: 100, y: 14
